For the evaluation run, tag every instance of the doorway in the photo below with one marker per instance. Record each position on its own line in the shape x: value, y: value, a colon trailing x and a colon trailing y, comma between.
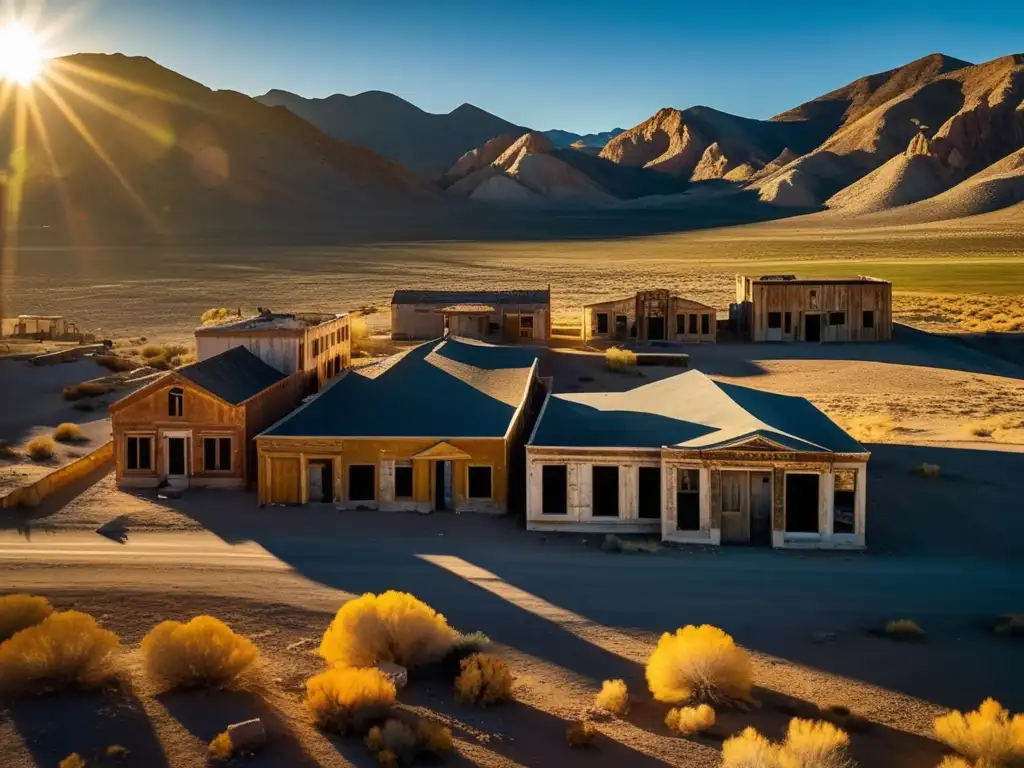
x: 735, y: 507
x: 802, y: 492
x: 177, y: 458
x: 321, y: 480
x: 656, y: 328
x: 761, y: 507
x: 812, y: 326
x: 442, y: 485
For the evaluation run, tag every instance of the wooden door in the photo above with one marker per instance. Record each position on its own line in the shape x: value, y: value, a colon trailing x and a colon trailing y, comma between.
x: 285, y: 473
x: 735, y: 507
x: 761, y: 507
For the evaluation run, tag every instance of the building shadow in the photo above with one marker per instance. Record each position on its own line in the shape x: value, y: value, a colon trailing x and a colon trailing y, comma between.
x: 54, y: 726
x: 24, y: 519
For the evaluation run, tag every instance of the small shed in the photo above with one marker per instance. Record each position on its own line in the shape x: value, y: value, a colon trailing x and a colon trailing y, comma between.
x: 655, y: 315
x: 506, y: 317
x: 790, y: 308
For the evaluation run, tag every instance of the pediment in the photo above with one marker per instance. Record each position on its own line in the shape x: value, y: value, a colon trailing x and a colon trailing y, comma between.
x: 758, y: 443
x: 442, y: 451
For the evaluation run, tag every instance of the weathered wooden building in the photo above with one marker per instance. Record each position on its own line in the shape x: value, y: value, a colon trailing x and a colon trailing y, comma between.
x: 194, y: 427
x: 650, y: 316
x: 696, y: 461
x: 39, y: 327
x: 788, y: 308
x: 507, y: 317
x: 440, y: 426
x: 317, y: 343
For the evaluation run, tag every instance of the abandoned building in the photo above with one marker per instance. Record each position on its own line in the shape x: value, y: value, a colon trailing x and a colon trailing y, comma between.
x: 497, y: 316
x: 696, y: 461
x: 650, y: 316
x: 438, y: 427
x: 317, y: 343
x: 194, y: 427
x: 48, y: 327
x: 788, y: 308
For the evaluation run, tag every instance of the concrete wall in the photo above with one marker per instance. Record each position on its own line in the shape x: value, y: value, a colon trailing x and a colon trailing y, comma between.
x: 278, y: 351
x: 30, y: 495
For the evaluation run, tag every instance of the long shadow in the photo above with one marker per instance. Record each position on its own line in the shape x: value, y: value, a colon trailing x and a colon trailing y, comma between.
x: 24, y: 520
x: 53, y: 727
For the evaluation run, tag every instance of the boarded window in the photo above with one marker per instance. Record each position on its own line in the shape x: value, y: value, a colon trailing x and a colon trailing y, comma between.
x: 869, y: 318
x: 606, y: 492
x: 693, y: 323
x: 479, y: 482
x: 844, y: 501
x: 602, y: 322
x: 217, y: 454
x: 787, y: 324
x: 837, y: 318
x: 554, y: 489
x: 176, y: 402
x: 403, y: 482
x: 705, y: 324
x: 774, y: 319
x: 139, y: 453
x: 688, y: 500
x: 801, y: 503
x: 362, y: 482
x: 649, y: 493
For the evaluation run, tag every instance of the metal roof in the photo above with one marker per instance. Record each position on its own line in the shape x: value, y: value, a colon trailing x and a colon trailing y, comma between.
x: 234, y: 376
x: 448, y: 298
x: 688, y: 411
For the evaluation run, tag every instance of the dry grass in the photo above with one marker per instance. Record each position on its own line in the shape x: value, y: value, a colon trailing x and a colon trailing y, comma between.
x: 619, y: 360
x: 344, y: 698
x: 202, y: 652
x: 905, y: 629
x: 580, y: 735
x: 433, y: 738
x: 67, y: 649
x: 393, y: 626
x: 613, y: 543
x: 151, y: 351
x: 358, y: 328
x: 871, y: 428
x: 1011, y: 624
x: 949, y: 761
x: 1007, y: 428
x: 701, y: 663
x: 484, y: 679
x: 86, y: 389
x: 808, y: 744
x: 41, y: 449
x: 750, y: 749
x: 613, y: 698
x: 116, y: 363
x: 990, y: 734
x: 221, y: 747
x: 74, y: 760
x: 395, y: 740
x: 924, y: 469
x: 18, y: 612
x: 68, y: 433
x: 7, y: 452
x: 687, y: 721
x: 963, y: 312
x: 215, y: 315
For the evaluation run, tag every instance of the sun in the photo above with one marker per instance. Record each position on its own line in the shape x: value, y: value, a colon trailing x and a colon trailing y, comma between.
x: 21, y: 54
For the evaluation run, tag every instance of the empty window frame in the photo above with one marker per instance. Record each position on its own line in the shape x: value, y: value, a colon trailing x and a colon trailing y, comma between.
x: 688, y: 499
x: 787, y: 323
x: 621, y: 322
x: 602, y: 322
x: 554, y: 489
x: 315, y: 348
x: 693, y: 322
x: 774, y: 319
x: 837, y: 318
x: 605, y: 491
x: 176, y: 402
x: 403, y: 481
x: 868, y: 318
x: 844, y: 501
x: 362, y: 482
x: 217, y: 454
x: 802, y: 492
x: 705, y: 324
x: 680, y: 324
x: 479, y: 482
x: 138, y: 453
x: 649, y: 493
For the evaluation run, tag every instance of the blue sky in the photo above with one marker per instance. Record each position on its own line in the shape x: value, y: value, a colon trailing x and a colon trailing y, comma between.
x: 580, y: 66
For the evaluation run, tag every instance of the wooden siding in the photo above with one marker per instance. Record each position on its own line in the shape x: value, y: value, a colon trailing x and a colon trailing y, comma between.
x: 644, y: 305
x: 423, y: 322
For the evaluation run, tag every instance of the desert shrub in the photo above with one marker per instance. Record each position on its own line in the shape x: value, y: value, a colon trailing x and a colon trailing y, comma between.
x: 203, y: 651
x: 116, y: 363
x: 613, y: 543
x: 358, y: 328
x: 68, y: 433
x: 617, y: 359
x: 346, y: 697
x: 702, y: 663
x: 989, y: 734
x: 66, y: 649
x: 394, y: 627
x: 484, y: 679
x: 580, y: 735
x: 174, y: 350
x: 117, y: 752
x: 87, y: 389
x: 215, y: 315
x: 41, y: 449
x: 221, y: 747
x: 905, y: 629
x: 74, y: 760
x: 18, y: 612
x: 950, y: 761
x: 394, y: 738
x: 869, y: 428
x: 689, y: 720
x: 7, y: 452
x: 152, y: 350
x: 433, y: 738
x: 160, y: 363
x: 924, y: 469
x: 613, y: 697
x: 814, y: 744
x: 749, y: 749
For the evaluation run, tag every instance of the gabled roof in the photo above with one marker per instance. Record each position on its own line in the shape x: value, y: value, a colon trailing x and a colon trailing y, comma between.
x: 234, y: 376
x: 689, y: 411
x: 448, y: 298
x: 446, y: 389
x: 676, y: 297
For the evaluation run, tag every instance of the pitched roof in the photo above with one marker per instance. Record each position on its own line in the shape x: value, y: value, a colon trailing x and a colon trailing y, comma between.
x: 447, y: 389
x: 234, y: 376
x: 446, y: 298
x: 688, y: 411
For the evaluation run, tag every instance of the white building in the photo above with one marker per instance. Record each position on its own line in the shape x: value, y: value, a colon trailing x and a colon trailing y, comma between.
x: 496, y: 316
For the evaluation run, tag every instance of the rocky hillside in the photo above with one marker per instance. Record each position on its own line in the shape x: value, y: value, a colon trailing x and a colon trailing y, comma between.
x: 561, y: 139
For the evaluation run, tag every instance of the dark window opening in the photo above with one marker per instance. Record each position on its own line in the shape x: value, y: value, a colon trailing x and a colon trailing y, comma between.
x: 705, y: 324
x: 602, y: 322
x: 139, y: 452
x: 217, y: 454
x: 362, y: 482
x: 869, y: 318
x: 606, y: 491
x: 693, y: 323
x: 554, y: 490
x: 656, y: 328
x: 649, y: 493
x: 316, y: 347
x: 787, y: 324
x: 479, y: 482
x: 621, y: 321
x: 812, y: 327
x: 837, y: 318
x: 802, y: 503
x: 526, y: 322
x: 774, y: 319
x: 844, y: 499
x: 680, y: 323
x: 176, y: 402
x: 688, y: 500
x: 403, y: 482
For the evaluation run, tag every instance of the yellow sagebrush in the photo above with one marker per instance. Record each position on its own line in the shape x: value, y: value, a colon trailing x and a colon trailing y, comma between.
x: 701, y: 663
x: 344, y: 697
